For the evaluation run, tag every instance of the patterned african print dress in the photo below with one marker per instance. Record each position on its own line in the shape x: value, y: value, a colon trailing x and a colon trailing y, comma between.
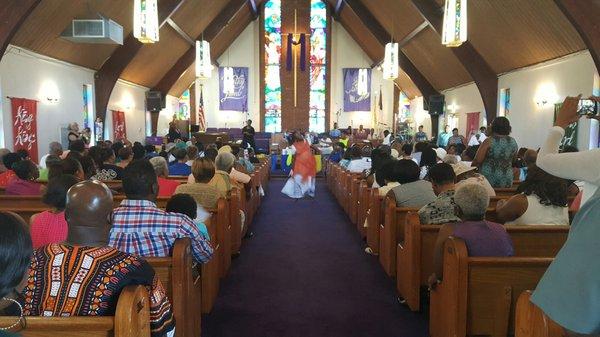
x: 68, y: 280
x: 497, y: 166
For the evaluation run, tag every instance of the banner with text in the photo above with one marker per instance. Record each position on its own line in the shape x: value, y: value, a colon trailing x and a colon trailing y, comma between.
x: 24, y: 117
x: 236, y: 100
x: 119, y: 129
x: 353, y: 101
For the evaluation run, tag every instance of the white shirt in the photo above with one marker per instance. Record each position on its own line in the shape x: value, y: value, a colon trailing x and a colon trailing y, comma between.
x: 387, y: 140
x: 473, y: 141
x: 43, y: 161
x: 572, y: 165
x: 359, y: 165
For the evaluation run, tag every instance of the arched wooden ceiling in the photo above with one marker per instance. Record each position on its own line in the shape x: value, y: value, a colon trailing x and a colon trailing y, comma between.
x: 508, y: 34
x: 41, y: 33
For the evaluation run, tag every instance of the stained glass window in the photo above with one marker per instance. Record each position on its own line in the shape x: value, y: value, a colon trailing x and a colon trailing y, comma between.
x: 318, y: 65
x: 272, y: 62
x: 184, y: 106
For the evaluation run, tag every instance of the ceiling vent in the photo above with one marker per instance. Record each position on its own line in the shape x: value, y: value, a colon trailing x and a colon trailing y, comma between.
x: 101, y: 30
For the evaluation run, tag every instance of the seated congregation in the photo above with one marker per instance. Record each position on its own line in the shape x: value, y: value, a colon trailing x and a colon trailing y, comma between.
x: 125, y: 237
x: 474, y: 233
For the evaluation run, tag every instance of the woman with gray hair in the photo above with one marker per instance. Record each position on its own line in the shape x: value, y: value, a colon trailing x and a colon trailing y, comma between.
x: 223, y: 165
x: 166, y: 187
x: 482, y: 238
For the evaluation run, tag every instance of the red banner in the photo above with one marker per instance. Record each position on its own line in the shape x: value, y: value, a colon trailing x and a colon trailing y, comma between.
x: 119, y: 129
x: 24, y: 115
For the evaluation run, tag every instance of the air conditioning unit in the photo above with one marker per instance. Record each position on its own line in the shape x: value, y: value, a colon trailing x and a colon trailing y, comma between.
x: 101, y: 30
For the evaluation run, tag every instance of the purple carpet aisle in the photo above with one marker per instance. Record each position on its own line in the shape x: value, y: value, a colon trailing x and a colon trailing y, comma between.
x: 304, y: 274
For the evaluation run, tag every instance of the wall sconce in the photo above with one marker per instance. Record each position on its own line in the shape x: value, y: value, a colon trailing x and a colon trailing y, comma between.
x: 452, y: 108
x: 49, y: 92
x: 127, y: 102
x: 545, y: 94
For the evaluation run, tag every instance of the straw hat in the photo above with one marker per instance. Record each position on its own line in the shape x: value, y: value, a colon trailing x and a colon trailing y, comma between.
x: 462, y: 168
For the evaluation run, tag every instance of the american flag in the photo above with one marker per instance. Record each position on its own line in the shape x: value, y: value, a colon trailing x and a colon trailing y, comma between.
x: 201, y: 119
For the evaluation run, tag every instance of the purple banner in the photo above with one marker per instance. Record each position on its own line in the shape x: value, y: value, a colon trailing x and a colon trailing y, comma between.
x: 352, y: 100
x: 237, y: 100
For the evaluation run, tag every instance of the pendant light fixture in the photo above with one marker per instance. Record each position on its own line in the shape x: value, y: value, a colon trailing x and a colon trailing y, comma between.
x: 454, y: 31
x: 203, y: 62
x: 390, y: 62
x: 145, y: 20
x: 228, y: 81
x: 362, y: 87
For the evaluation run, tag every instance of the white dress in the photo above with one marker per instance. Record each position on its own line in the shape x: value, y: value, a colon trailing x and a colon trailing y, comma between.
x: 538, y: 214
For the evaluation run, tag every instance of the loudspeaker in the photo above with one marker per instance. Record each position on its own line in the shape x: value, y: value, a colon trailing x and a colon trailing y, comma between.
x: 194, y: 128
x: 155, y: 101
x: 436, y: 104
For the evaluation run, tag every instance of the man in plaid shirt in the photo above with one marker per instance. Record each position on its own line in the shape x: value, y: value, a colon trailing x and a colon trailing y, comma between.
x: 140, y: 228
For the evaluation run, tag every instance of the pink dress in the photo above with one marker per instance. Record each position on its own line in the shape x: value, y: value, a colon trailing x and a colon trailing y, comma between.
x: 48, y: 228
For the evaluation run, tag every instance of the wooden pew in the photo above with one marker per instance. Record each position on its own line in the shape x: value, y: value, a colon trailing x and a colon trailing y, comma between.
x: 354, y: 198
x: 376, y: 216
x: 131, y: 319
x: 235, y: 205
x: 181, y: 279
x: 364, y: 196
x: 414, y: 255
x: 478, y: 294
x: 494, y: 200
x: 210, y: 270
x: 503, y: 192
x: 530, y: 321
x: 223, y: 234
x: 26, y: 206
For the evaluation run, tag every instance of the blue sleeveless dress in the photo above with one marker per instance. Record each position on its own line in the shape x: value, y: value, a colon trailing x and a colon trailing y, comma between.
x: 569, y: 291
x: 497, y: 166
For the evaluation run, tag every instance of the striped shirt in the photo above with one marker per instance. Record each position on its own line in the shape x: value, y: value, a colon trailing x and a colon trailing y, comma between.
x: 140, y: 228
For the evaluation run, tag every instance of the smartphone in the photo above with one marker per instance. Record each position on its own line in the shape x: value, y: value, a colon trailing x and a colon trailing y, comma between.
x: 587, y: 107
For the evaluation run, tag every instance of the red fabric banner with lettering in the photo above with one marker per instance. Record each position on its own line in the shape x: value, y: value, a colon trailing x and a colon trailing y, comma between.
x: 119, y: 129
x: 24, y: 118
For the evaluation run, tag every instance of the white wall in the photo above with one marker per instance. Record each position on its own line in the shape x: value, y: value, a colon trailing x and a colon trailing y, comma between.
x: 346, y: 53
x: 131, y: 99
x: 420, y: 116
x: 556, y: 79
x: 243, y: 52
x: 23, y: 74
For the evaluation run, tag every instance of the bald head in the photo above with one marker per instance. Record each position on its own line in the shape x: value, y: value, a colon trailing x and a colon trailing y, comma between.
x: 87, y: 211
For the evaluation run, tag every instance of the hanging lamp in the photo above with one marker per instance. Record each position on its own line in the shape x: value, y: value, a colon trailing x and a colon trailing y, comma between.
x: 454, y: 31
x: 390, y: 62
x: 145, y: 21
x: 203, y: 62
x: 362, y: 87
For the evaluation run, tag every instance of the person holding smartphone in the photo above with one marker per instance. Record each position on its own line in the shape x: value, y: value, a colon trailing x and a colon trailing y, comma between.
x: 569, y: 291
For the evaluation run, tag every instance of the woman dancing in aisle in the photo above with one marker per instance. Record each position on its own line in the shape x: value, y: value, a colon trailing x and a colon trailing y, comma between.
x: 304, y: 170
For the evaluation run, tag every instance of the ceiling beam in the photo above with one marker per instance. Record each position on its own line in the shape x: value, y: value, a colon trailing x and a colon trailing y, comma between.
x: 583, y: 16
x: 12, y: 15
x: 181, y: 32
x: 216, y: 26
x: 482, y: 73
x: 407, y: 39
x: 384, y: 37
x: 106, y: 77
x: 253, y: 8
x: 339, y: 5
